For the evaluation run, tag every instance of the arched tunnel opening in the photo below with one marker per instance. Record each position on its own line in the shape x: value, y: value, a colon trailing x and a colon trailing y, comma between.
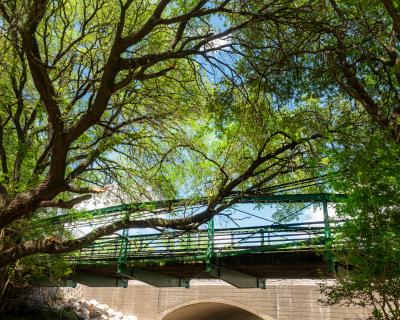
x: 211, y: 311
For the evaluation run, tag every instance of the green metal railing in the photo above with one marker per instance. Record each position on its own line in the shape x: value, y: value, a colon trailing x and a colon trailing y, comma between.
x: 202, y: 244
x: 150, y: 209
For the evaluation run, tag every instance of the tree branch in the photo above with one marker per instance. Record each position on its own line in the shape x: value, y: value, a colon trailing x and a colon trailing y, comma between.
x: 64, y: 204
x: 84, y: 190
x: 395, y: 15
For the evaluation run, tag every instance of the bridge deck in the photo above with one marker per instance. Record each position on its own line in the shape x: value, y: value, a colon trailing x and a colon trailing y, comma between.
x: 305, y: 263
x: 273, y: 251
x: 165, y: 259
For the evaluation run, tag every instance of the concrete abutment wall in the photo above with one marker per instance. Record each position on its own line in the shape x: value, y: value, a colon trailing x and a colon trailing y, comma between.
x: 281, y: 300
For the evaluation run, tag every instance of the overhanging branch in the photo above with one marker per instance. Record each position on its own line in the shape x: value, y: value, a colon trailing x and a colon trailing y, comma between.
x: 64, y: 204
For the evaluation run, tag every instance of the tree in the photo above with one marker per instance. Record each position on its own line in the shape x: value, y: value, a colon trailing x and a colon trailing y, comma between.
x: 368, y: 246
x: 98, y: 93
x: 347, y: 50
x: 340, y: 47
x: 365, y: 57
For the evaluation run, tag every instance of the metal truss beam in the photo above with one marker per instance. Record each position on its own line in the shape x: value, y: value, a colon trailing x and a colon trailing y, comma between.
x: 176, y: 203
x: 156, y: 279
x: 277, y: 198
x: 93, y: 280
x: 239, y: 279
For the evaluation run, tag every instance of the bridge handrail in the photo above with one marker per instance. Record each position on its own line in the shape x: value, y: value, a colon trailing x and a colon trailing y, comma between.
x: 226, y: 240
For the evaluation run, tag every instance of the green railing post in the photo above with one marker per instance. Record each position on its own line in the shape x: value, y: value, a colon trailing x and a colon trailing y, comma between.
x: 188, y: 243
x: 210, y: 245
x: 92, y: 251
x: 123, y: 251
x: 262, y: 239
x: 327, y: 237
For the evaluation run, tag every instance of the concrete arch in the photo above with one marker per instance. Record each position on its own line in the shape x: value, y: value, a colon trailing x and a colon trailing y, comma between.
x: 223, y: 305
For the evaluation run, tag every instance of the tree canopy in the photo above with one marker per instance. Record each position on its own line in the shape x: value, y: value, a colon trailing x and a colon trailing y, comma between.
x: 367, y: 245
x: 201, y: 99
x: 340, y: 47
x: 98, y: 93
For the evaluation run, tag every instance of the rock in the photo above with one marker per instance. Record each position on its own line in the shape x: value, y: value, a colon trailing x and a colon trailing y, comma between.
x: 85, y: 313
x: 94, y: 313
x: 92, y: 308
x: 103, y: 307
x: 118, y: 314
x: 110, y: 310
x: 57, y: 306
x: 72, y: 308
x: 94, y: 302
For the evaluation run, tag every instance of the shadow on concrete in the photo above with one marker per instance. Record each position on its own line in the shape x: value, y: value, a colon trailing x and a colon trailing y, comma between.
x: 210, y: 311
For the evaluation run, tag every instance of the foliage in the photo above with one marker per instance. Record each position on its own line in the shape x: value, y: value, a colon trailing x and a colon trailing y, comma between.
x: 100, y: 95
x: 337, y: 51
x: 332, y: 48
x: 368, y: 246
x: 163, y: 99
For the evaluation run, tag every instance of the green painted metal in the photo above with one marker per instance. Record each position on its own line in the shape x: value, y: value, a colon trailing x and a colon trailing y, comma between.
x: 328, y: 237
x: 210, y: 245
x: 95, y: 280
x: 145, y: 262
x: 165, y: 206
x: 125, y: 209
x: 278, y: 198
x: 239, y: 279
x: 123, y: 250
x: 206, y: 245
x: 155, y: 279
x: 201, y: 245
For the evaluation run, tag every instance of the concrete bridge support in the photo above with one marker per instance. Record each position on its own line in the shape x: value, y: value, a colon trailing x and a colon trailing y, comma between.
x: 215, y: 300
x: 217, y: 309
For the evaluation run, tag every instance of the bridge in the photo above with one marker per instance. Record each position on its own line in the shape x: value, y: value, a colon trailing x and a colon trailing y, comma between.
x: 214, y: 299
x: 244, y: 256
